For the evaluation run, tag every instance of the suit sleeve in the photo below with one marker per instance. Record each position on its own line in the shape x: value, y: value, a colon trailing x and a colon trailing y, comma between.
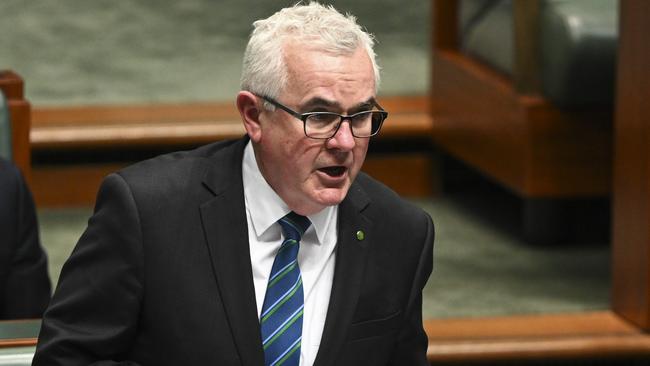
x: 411, y: 348
x: 93, y: 315
x: 27, y: 283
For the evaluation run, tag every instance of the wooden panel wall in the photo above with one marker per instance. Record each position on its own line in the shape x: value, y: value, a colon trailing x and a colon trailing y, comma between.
x: 181, y: 126
x: 631, y: 215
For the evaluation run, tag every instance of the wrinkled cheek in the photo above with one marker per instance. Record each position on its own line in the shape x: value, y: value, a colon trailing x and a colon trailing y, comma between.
x: 354, y: 171
x: 360, y: 156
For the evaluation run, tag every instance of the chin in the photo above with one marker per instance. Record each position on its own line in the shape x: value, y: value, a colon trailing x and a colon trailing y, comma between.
x: 331, y: 196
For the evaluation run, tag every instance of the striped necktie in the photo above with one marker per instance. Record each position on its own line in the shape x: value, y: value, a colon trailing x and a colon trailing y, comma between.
x: 281, y: 318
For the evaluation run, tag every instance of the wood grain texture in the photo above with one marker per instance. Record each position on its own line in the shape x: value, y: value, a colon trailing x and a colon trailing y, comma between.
x: 410, y: 174
x: 76, y: 185
x: 526, y: 73
x: 587, y: 335
x: 476, y: 118
x: 91, y: 127
x: 444, y: 14
x: 12, y: 84
x: 170, y: 126
x: 523, y: 142
x: 69, y: 186
x: 568, y: 336
x: 631, y: 203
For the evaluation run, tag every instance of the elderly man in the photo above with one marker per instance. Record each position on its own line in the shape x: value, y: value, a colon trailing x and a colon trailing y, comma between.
x: 270, y: 250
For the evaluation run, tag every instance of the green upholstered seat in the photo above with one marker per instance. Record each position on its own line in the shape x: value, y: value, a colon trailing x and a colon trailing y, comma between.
x: 486, y: 32
x: 577, y: 43
x: 5, y: 128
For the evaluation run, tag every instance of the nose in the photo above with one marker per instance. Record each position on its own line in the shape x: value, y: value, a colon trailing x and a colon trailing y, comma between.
x: 343, y: 139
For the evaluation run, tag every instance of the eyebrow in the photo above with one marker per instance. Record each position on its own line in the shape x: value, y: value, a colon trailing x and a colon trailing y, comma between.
x: 324, y: 103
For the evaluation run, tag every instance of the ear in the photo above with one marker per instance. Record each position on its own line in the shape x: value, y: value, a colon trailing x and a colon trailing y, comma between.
x: 249, y: 109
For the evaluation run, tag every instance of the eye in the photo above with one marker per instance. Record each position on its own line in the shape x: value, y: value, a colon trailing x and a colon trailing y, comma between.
x: 322, y: 117
x: 362, y: 116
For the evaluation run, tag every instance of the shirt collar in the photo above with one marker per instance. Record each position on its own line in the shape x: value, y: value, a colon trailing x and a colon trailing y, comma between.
x: 264, y: 205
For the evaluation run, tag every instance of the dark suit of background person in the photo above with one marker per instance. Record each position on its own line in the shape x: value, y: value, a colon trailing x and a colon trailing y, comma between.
x: 24, y: 281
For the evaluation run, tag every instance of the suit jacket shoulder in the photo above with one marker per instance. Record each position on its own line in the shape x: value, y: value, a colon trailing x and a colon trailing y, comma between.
x: 164, y: 173
x: 171, y: 181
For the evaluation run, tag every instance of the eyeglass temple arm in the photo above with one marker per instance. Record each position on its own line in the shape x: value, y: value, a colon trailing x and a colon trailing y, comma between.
x: 286, y: 109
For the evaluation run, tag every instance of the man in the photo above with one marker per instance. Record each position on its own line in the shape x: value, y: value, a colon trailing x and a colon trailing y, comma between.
x: 24, y: 281
x: 269, y: 250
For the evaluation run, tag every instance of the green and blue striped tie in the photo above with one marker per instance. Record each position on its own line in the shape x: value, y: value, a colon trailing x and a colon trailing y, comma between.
x: 281, y: 318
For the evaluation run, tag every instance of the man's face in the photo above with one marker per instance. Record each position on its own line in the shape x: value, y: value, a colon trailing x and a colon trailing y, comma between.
x: 311, y: 174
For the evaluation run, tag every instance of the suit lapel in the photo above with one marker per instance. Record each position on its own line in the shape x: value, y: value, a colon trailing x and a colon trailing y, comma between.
x: 226, y: 231
x: 351, y: 256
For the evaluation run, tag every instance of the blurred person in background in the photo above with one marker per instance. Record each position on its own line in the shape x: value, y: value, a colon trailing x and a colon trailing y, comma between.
x: 24, y: 280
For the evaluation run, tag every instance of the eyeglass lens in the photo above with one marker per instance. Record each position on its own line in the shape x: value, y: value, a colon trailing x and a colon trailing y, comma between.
x: 325, y: 125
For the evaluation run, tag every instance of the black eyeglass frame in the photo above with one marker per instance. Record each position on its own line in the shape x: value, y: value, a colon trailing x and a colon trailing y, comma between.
x: 303, y: 117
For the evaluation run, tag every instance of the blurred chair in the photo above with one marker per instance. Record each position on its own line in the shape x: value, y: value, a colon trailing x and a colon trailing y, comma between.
x: 522, y: 91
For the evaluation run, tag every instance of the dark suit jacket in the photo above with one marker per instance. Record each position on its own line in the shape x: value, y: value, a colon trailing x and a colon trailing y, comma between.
x: 24, y: 281
x: 162, y: 275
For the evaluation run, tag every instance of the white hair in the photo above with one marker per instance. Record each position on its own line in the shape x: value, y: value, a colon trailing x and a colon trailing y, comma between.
x: 264, y: 70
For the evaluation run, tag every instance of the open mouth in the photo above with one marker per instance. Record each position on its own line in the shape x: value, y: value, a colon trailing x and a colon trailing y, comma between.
x: 334, y: 171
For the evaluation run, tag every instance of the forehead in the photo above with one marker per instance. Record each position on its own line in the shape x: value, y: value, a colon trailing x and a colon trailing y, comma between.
x: 346, y: 78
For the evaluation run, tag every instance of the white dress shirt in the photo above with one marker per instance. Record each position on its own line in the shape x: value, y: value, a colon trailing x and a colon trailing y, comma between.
x: 315, y: 257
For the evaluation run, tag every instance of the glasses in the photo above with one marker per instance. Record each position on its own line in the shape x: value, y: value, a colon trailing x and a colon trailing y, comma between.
x: 324, y: 125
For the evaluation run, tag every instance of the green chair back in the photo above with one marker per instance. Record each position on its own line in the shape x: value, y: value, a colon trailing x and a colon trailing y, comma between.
x: 5, y: 128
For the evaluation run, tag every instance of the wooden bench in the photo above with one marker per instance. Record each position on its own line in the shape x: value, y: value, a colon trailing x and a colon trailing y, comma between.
x: 158, y: 128
x: 507, y: 130
x: 519, y: 339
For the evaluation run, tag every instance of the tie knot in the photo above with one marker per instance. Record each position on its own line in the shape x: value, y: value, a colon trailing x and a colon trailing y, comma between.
x: 294, y: 225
